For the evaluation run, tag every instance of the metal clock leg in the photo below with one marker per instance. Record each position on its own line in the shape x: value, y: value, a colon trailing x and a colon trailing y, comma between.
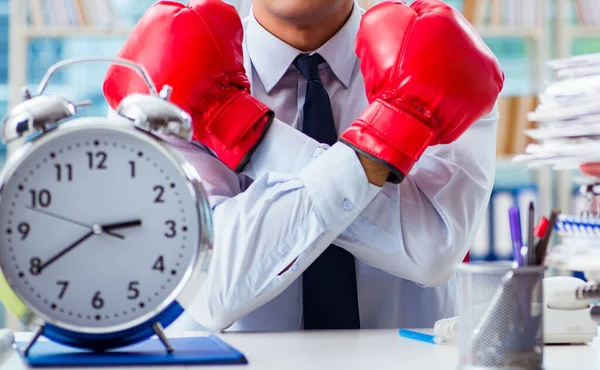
x: 158, y: 329
x: 36, y: 336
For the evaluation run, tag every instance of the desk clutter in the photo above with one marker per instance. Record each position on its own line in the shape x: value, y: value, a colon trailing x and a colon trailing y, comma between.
x: 508, y: 310
x: 567, y: 137
x: 568, y: 317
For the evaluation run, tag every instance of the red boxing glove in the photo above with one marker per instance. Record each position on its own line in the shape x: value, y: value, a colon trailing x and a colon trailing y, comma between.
x: 197, y: 50
x: 428, y: 77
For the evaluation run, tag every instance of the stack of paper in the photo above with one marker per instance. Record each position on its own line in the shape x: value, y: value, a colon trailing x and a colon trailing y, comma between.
x: 568, y: 116
x: 566, y: 136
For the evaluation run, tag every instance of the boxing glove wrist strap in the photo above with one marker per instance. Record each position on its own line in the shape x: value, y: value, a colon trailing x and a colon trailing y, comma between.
x: 398, y: 128
x: 236, y: 129
x: 389, y: 136
x: 236, y: 118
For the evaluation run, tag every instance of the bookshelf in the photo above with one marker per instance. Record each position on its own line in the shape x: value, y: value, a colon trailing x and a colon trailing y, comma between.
x: 572, y: 25
x: 22, y: 31
x: 81, y: 31
x: 585, y: 31
x: 527, y: 21
x: 503, y: 19
x: 514, y: 19
x: 24, y: 27
x: 532, y: 33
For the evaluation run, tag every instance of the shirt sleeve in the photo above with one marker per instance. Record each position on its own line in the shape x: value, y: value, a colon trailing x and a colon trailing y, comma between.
x: 111, y: 113
x: 420, y: 229
x: 278, y: 220
x: 283, y: 150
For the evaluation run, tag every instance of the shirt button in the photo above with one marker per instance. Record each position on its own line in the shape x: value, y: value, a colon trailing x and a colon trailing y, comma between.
x: 347, y: 204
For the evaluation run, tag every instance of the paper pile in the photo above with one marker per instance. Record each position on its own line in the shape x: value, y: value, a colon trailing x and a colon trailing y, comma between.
x: 568, y: 116
x: 567, y: 136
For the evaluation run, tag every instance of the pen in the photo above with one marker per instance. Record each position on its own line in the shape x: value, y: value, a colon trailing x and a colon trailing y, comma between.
x: 405, y: 333
x: 515, y: 233
x: 542, y: 227
x: 542, y: 245
x: 7, y: 339
x: 530, y: 245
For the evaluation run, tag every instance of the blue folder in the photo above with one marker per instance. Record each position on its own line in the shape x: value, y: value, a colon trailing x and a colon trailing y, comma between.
x: 208, y: 350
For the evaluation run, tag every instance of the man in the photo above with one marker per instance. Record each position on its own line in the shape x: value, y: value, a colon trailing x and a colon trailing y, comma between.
x: 429, y: 80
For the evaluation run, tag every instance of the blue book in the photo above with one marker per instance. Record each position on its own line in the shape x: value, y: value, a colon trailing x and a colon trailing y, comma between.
x: 208, y: 350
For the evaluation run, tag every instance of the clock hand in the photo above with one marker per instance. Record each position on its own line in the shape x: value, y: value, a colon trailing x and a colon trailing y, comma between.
x: 66, y: 250
x: 72, y: 221
x: 122, y: 225
x: 96, y: 229
x: 59, y: 217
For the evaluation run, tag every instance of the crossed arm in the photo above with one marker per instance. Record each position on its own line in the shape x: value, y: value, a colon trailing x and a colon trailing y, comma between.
x: 306, y: 196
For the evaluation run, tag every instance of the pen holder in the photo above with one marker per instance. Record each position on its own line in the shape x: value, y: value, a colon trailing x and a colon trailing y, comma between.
x: 501, y: 316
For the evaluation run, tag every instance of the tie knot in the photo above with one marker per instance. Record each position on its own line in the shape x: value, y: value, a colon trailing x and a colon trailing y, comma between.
x: 308, y: 65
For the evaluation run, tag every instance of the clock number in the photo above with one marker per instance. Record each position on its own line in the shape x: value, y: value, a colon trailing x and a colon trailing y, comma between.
x: 23, y: 229
x: 59, y: 172
x: 172, y: 232
x: 35, y: 267
x: 44, y: 198
x: 133, y: 290
x: 132, y: 165
x: 97, y: 302
x: 101, y: 158
x: 159, y: 264
x: 161, y: 191
x: 64, y: 284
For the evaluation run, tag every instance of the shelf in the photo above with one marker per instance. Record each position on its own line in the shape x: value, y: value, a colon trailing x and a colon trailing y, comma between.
x: 64, y: 32
x: 585, y: 32
x: 91, y: 31
x: 533, y: 33
x: 506, y: 160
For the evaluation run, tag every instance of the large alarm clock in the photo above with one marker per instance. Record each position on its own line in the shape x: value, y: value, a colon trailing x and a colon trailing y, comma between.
x: 105, y: 229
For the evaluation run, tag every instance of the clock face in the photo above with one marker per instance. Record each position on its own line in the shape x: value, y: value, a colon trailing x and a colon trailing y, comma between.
x: 99, y: 227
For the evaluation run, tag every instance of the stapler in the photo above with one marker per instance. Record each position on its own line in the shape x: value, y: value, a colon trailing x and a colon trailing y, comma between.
x: 568, y: 319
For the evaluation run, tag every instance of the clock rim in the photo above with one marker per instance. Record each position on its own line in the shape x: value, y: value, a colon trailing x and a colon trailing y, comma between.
x: 199, y: 262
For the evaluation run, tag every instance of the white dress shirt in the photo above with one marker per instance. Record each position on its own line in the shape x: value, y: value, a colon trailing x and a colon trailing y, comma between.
x: 406, y: 238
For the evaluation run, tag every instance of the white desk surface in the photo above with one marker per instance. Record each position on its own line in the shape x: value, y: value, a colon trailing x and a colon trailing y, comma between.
x: 361, y: 349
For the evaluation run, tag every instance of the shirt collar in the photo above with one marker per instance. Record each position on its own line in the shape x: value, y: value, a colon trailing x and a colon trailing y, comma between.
x: 272, y: 57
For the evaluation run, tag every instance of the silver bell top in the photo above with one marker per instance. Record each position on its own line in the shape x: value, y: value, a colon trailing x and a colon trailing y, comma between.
x: 36, y: 115
x: 152, y: 112
x: 157, y: 114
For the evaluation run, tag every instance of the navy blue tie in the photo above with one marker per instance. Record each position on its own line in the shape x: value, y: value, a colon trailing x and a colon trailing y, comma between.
x: 329, y: 284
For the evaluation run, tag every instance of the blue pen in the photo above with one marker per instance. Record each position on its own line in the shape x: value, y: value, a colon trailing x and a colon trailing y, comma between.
x: 514, y: 218
x: 420, y: 336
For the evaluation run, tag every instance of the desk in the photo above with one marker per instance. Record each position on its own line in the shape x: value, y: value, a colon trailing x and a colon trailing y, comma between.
x: 361, y: 349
